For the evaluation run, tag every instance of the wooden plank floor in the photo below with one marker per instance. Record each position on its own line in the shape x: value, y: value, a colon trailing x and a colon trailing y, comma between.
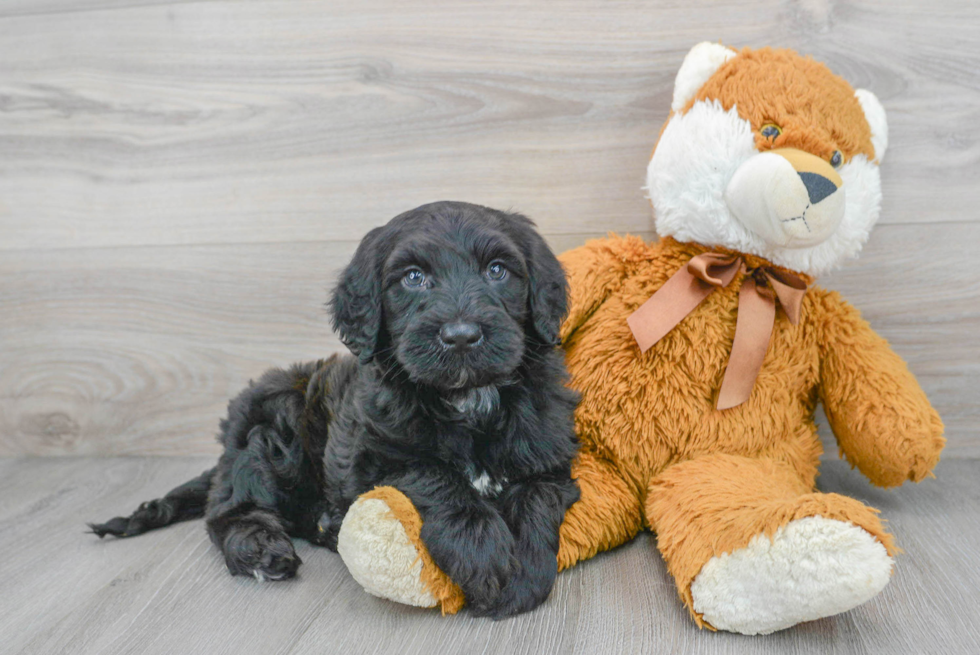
x: 66, y: 592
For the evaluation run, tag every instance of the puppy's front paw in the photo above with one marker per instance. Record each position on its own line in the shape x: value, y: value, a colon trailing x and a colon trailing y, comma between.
x: 380, y: 544
x: 528, y: 589
x: 478, y: 552
x: 261, y: 553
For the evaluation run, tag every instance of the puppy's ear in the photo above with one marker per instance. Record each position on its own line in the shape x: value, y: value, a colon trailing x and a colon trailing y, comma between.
x: 356, y: 301
x: 547, y: 286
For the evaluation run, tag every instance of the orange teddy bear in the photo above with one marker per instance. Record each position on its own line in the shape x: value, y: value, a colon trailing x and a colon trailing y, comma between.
x: 701, y: 358
x: 753, y: 164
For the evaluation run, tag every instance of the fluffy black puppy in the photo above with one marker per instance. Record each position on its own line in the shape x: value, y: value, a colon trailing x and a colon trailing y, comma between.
x: 455, y: 396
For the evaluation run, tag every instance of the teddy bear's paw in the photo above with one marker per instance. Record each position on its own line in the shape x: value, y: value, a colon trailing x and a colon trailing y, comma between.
x: 379, y: 554
x: 812, y: 567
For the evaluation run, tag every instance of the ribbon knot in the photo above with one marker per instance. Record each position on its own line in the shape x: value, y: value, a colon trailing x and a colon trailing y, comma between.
x: 761, y: 288
x: 761, y: 278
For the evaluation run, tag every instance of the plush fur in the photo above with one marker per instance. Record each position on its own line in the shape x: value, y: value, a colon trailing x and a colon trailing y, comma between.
x: 705, y: 142
x: 698, y: 67
x: 655, y: 451
x: 385, y: 555
x: 476, y: 434
x: 734, y: 483
x: 380, y: 541
x: 831, y: 565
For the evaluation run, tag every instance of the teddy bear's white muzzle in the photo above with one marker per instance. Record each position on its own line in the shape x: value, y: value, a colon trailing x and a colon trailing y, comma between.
x: 790, y: 198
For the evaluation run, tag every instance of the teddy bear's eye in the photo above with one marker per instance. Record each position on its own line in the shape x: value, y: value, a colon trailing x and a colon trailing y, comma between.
x: 836, y: 159
x: 770, y: 131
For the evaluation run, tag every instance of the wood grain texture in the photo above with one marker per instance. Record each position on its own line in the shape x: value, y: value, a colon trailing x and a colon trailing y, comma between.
x: 167, y: 592
x: 215, y: 122
x: 180, y: 181
x: 138, y: 350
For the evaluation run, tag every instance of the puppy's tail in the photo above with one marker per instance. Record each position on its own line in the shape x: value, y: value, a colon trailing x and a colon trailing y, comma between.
x: 183, y: 503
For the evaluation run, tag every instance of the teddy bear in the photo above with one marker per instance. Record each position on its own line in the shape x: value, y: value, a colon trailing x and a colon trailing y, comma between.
x: 701, y: 358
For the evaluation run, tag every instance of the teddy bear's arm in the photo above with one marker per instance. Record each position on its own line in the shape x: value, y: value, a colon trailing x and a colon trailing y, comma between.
x: 594, y: 270
x: 882, y: 419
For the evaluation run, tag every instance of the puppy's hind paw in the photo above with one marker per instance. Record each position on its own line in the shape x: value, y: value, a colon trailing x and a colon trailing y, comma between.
x: 276, y: 566
x: 261, y: 554
x: 148, y: 516
x: 117, y: 527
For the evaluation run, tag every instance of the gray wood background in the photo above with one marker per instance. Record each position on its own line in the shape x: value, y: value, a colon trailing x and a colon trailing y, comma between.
x: 181, y: 180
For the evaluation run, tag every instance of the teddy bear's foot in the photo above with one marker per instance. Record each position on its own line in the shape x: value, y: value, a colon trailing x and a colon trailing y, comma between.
x: 379, y: 542
x: 379, y: 555
x: 812, y: 567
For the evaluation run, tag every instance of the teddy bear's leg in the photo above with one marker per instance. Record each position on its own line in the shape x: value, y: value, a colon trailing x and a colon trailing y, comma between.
x: 607, y: 514
x: 380, y: 544
x: 754, y: 550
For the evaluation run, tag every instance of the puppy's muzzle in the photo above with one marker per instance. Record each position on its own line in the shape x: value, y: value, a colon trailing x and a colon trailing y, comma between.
x: 790, y: 198
x: 461, y: 336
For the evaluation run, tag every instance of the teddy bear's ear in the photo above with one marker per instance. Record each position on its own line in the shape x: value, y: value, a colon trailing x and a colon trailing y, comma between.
x: 874, y: 113
x: 699, y: 65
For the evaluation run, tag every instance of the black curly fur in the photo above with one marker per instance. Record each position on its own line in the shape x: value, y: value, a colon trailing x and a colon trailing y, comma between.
x: 481, y: 441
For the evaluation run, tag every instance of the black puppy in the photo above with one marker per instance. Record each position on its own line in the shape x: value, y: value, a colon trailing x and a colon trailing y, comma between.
x: 456, y: 396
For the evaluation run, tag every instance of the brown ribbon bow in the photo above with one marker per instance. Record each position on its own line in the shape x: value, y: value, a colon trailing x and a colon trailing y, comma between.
x: 756, y: 313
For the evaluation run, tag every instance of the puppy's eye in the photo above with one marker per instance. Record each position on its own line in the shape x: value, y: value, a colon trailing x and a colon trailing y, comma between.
x: 836, y: 159
x: 770, y: 131
x: 413, y: 278
x: 496, y: 271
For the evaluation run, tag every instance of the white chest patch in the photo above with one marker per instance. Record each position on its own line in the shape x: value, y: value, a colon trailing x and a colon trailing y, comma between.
x: 485, y: 486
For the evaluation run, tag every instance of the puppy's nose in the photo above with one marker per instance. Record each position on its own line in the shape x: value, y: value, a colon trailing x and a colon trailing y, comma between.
x: 461, y: 336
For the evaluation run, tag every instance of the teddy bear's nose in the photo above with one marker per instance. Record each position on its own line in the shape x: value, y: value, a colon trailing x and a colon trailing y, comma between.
x: 817, y: 186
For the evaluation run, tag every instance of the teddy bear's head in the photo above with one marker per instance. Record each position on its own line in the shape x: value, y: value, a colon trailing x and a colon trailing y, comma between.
x: 767, y: 152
